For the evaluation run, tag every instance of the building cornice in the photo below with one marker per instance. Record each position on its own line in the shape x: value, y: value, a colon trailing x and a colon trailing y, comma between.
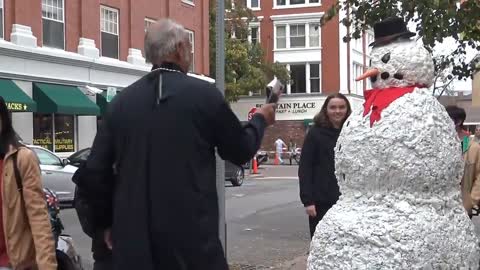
x: 299, y: 16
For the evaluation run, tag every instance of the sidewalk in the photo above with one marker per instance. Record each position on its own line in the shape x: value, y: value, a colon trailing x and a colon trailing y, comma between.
x: 274, y: 171
x: 299, y: 263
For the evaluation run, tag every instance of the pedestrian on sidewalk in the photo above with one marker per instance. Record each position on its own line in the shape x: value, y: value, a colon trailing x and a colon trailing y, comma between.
x: 160, y: 210
x: 26, y: 238
x: 279, y: 145
x: 292, y: 151
x: 470, y: 184
x: 318, y: 185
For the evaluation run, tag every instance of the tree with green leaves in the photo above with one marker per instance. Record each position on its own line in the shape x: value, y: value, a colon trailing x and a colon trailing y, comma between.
x: 246, y: 69
x: 435, y: 21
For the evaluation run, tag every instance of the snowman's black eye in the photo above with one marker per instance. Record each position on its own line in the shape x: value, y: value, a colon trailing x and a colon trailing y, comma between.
x: 386, y: 58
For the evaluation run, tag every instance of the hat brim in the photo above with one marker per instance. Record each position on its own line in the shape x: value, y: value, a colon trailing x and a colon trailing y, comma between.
x: 388, y: 39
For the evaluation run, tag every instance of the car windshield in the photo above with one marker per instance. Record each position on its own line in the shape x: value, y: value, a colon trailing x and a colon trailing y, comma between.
x: 81, y: 155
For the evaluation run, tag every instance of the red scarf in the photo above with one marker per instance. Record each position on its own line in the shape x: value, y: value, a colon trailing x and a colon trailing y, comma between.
x: 378, y: 99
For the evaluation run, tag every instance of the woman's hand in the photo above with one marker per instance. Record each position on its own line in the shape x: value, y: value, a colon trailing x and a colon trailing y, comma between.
x: 311, y: 210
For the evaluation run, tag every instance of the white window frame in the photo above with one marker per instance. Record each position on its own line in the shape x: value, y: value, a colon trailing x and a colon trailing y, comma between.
x: 191, y: 38
x: 3, y: 19
x: 254, y: 25
x: 110, y: 32
x: 288, y: 5
x: 287, y: 25
x: 357, y: 70
x: 305, y: 31
x: 249, y: 5
x: 56, y: 7
x: 149, y: 22
x: 309, y: 78
x: 51, y: 19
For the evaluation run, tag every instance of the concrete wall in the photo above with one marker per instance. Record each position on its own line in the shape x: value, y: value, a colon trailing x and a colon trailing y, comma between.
x: 23, y: 121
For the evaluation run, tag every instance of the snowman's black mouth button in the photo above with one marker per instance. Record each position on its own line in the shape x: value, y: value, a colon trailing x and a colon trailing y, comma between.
x: 385, y: 75
x: 398, y: 76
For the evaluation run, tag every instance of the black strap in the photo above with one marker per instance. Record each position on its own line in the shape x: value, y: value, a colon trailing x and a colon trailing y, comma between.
x: 18, y: 178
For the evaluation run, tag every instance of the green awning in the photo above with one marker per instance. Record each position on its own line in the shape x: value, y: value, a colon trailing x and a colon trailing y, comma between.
x: 63, y: 99
x: 15, y: 98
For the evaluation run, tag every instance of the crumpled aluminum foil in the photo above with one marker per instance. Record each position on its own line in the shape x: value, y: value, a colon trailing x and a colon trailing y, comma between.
x: 401, y: 205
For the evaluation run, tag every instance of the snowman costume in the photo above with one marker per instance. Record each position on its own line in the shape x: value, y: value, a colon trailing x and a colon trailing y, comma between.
x: 399, y: 166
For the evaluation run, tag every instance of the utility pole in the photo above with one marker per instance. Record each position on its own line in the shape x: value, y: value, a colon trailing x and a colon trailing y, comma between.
x: 220, y: 83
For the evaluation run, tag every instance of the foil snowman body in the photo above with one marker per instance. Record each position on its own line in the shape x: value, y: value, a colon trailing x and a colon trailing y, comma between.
x: 400, y: 179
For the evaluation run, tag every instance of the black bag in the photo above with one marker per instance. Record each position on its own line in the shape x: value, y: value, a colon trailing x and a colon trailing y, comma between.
x: 83, y: 209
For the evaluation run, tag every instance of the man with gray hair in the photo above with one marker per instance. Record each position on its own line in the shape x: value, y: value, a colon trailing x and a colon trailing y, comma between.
x: 160, y: 210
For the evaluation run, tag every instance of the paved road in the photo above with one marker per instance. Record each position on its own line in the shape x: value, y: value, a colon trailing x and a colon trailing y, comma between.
x: 264, y: 220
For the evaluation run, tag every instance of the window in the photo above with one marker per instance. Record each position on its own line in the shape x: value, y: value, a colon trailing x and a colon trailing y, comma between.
x: 53, y: 24
x: 1, y: 19
x: 47, y: 158
x: 148, y: 22
x: 370, y: 39
x: 255, y: 35
x: 281, y: 37
x: 296, y: 2
x: 191, y: 38
x: 109, y: 32
x: 314, y: 78
x: 357, y: 87
x: 314, y: 34
x: 298, y: 77
x: 252, y: 4
x: 297, y: 36
x: 58, y: 128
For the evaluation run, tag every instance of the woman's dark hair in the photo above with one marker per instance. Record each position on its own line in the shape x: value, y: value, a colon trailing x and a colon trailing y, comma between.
x: 8, y: 136
x: 457, y: 114
x: 322, y: 120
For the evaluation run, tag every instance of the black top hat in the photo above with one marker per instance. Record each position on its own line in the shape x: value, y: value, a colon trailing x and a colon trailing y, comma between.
x: 389, y: 30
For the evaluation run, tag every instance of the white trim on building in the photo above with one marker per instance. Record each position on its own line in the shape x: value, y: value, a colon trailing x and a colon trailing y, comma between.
x: 284, y: 4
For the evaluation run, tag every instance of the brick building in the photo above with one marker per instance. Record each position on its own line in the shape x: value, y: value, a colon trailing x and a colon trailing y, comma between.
x: 58, y: 57
x: 319, y: 61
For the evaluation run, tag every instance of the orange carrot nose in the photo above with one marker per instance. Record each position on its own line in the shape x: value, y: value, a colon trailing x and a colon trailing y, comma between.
x: 369, y: 73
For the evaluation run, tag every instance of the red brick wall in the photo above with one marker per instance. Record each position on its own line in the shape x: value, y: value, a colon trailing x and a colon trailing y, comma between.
x: 82, y: 19
x: 284, y: 130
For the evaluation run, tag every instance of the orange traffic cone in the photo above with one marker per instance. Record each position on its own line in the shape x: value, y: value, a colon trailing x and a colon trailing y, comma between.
x: 255, y: 166
x: 277, y: 160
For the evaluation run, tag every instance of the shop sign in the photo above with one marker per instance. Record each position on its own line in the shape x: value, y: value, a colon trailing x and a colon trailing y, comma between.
x: 64, y: 145
x: 44, y: 142
x: 16, y: 107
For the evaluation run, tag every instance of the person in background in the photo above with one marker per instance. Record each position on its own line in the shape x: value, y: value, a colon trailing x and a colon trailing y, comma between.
x: 476, y: 135
x: 159, y: 206
x: 279, y: 145
x: 26, y: 239
x: 318, y: 184
x: 470, y: 185
x: 292, y: 150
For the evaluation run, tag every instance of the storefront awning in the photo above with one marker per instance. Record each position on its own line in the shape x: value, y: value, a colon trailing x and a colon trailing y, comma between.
x: 62, y: 99
x: 15, y: 98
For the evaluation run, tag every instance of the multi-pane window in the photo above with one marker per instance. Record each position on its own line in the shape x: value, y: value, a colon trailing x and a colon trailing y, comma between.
x: 53, y: 23
x: 191, y: 38
x: 109, y: 31
x: 314, y: 35
x: 255, y: 35
x: 305, y: 35
x: 314, y: 78
x: 295, y: 2
x: 281, y: 36
x: 148, y: 22
x: 1, y: 18
x: 357, y: 87
x: 253, y: 4
x: 297, y: 36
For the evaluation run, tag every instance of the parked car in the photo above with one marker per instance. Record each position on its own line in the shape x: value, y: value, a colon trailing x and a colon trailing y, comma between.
x: 233, y: 173
x: 56, y: 175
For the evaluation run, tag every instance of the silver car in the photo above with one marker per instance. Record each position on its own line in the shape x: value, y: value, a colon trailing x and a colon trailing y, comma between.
x: 56, y: 175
